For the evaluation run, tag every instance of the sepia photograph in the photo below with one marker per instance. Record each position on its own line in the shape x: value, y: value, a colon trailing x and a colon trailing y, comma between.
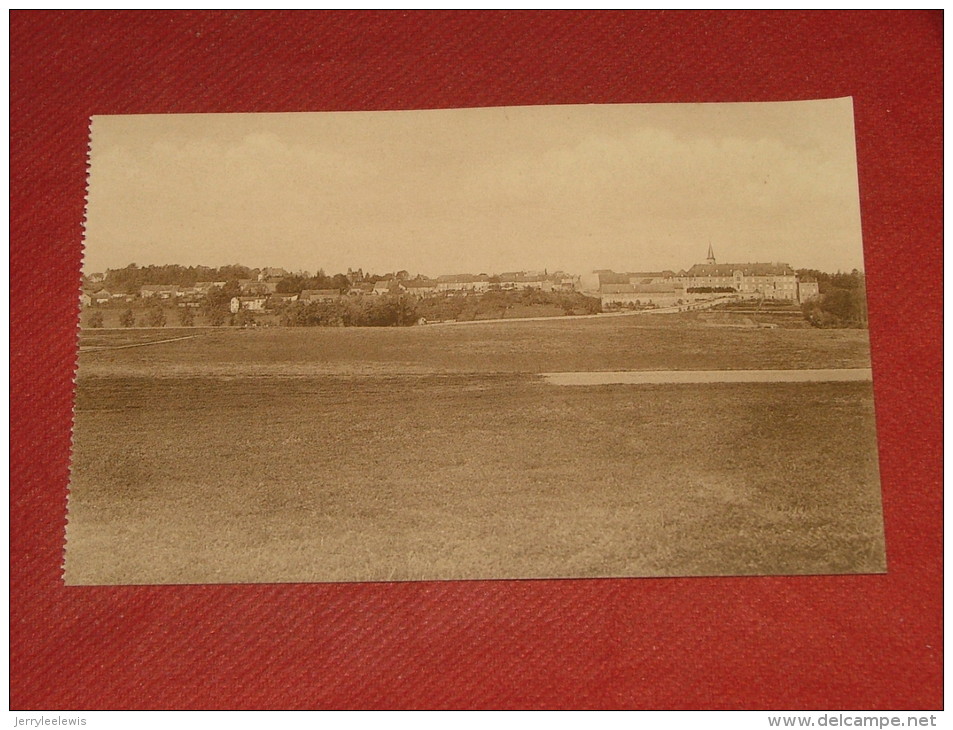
x: 593, y: 341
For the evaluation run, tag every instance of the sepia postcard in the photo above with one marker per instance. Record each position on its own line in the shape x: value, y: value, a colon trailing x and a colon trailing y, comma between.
x: 500, y: 343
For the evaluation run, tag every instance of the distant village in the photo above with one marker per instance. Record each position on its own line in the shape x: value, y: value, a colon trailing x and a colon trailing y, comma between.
x: 271, y: 289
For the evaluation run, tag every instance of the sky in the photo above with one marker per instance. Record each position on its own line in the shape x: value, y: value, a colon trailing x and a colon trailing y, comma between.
x: 628, y: 187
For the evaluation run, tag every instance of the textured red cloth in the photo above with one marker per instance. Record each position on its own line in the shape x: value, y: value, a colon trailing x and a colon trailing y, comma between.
x: 857, y: 642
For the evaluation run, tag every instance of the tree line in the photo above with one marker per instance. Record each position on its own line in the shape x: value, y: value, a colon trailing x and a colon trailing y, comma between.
x: 132, y: 278
x: 401, y: 310
x: 842, y: 300
x: 384, y: 311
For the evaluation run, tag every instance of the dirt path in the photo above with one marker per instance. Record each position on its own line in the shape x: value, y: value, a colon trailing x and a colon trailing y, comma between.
x: 647, y: 377
x: 138, y: 344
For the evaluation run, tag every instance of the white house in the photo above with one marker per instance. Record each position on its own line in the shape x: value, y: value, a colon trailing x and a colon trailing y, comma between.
x: 251, y: 304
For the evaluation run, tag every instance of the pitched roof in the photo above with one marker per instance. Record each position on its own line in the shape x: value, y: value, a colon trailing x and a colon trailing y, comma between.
x: 746, y: 269
x: 663, y: 288
x: 520, y: 278
x: 462, y: 278
x: 650, y: 274
x: 610, y: 277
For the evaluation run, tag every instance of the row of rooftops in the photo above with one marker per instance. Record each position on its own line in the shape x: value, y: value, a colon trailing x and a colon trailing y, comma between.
x: 724, y: 270
x: 200, y: 287
x: 711, y: 274
x: 304, y: 296
x: 608, y: 281
x: 263, y: 285
x: 698, y: 270
x: 516, y: 277
x: 259, y: 290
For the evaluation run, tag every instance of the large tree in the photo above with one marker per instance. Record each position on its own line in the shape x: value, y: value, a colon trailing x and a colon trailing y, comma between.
x: 842, y: 302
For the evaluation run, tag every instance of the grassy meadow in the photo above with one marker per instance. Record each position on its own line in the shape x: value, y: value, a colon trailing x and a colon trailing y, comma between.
x: 640, y: 342
x: 432, y: 452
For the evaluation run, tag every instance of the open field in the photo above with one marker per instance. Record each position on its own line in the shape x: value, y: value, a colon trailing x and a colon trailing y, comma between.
x: 674, y: 342
x: 432, y: 453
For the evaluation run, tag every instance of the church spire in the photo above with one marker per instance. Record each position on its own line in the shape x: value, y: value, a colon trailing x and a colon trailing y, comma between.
x: 711, y: 255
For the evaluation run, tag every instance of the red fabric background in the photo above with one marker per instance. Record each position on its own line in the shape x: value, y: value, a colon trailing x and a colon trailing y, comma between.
x: 857, y: 642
